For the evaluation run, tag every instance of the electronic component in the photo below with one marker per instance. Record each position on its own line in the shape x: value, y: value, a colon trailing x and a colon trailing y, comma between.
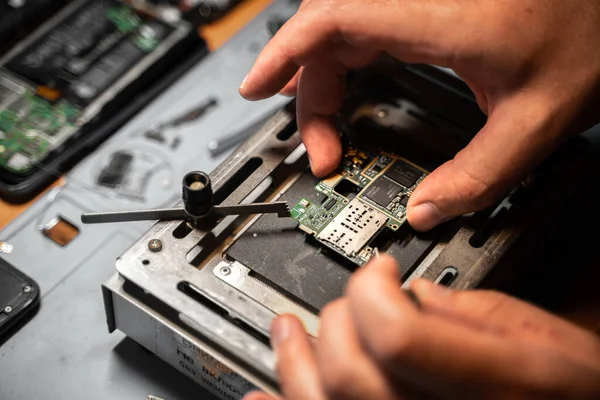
x: 383, y: 191
x: 116, y: 170
x: 378, y: 165
x: 404, y: 173
x: 379, y: 183
x: 60, y: 231
x: 353, y: 228
x: 106, y: 71
x: 129, y: 172
x: 19, y: 161
x: 114, y: 63
x: 304, y: 203
x: 329, y: 203
x: 61, y: 80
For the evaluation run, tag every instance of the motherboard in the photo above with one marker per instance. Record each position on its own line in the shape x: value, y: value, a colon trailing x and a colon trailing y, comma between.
x: 59, y: 82
x: 367, y: 195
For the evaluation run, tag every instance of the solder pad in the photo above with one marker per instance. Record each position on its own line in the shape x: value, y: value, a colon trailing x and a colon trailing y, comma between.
x: 366, y: 195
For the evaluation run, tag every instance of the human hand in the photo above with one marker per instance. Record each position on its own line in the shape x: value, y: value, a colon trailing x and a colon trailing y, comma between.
x: 374, y: 343
x: 534, y: 67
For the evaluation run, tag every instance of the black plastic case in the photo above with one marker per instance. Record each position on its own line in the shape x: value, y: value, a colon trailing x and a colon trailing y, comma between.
x: 18, y: 189
x: 19, y: 296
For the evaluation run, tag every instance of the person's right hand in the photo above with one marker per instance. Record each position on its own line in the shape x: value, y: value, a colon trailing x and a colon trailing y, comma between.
x: 534, y: 66
x: 375, y: 344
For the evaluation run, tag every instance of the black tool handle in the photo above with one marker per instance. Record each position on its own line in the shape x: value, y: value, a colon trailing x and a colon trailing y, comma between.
x: 138, y: 215
x: 279, y: 207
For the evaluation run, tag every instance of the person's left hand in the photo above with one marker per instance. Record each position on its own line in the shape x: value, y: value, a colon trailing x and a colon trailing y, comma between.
x: 374, y: 343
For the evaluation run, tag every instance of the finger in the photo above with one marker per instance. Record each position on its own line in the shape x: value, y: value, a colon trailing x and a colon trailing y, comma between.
x: 422, y: 33
x: 320, y: 94
x: 296, y: 363
x: 350, y: 56
x: 506, y: 315
x: 418, y: 347
x: 399, y: 308
x: 518, y: 135
x: 258, y: 396
x: 292, y: 86
x: 346, y: 371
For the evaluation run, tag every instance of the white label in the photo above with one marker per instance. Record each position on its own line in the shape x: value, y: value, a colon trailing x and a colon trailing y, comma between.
x: 210, y: 372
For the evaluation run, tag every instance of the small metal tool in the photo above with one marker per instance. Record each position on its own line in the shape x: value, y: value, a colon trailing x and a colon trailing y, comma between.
x: 194, y: 113
x: 413, y: 298
x: 227, y: 142
x: 188, y: 116
x: 409, y: 292
x: 197, y: 195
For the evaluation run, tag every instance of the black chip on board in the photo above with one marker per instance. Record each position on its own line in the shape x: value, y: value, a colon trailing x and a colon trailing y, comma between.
x: 404, y: 201
x: 403, y: 173
x: 114, y: 173
x: 329, y: 204
x: 383, y: 191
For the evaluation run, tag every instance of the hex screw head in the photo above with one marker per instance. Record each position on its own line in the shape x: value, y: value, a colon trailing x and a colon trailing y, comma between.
x: 225, y: 271
x: 8, y: 309
x: 26, y: 289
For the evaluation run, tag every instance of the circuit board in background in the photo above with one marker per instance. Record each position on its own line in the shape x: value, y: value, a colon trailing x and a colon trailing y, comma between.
x: 57, y: 84
x: 365, y: 196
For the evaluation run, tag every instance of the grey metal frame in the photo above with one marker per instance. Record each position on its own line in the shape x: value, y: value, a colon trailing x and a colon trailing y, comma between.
x: 160, y: 273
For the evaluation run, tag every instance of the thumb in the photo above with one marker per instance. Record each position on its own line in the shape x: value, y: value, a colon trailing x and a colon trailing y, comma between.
x: 482, y: 309
x: 516, y: 137
x: 256, y: 395
x: 503, y: 315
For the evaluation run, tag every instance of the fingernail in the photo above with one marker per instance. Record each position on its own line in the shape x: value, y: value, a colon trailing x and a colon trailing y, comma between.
x: 280, y: 331
x: 425, y: 214
x: 255, y: 394
x: 243, y: 84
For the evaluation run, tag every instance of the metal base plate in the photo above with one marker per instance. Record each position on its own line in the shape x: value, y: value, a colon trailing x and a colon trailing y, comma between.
x: 227, y: 295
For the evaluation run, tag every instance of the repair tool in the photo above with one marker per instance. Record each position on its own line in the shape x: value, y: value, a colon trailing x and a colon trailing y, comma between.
x: 197, y: 195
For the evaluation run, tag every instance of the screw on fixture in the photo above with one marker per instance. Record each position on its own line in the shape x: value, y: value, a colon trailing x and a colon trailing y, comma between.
x: 26, y: 289
x: 225, y: 271
x: 8, y: 309
x: 382, y: 113
x: 155, y: 245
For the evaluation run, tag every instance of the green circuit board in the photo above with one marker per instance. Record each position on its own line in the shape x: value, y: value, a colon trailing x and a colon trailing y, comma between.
x: 127, y: 21
x: 46, y: 89
x: 124, y: 18
x: 27, y: 127
x: 367, y: 195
